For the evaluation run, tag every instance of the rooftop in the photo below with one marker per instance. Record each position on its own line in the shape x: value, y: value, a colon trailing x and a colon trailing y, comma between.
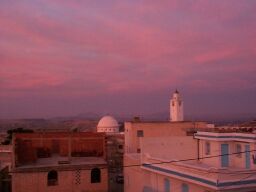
x: 58, y: 162
x: 196, y: 171
x: 229, y: 130
x: 164, y: 122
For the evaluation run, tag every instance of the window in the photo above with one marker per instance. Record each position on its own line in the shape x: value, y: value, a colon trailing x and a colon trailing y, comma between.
x: 140, y: 133
x: 184, y: 188
x: 224, y: 155
x: 207, y: 148
x: 52, y: 178
x: 238, y: 150
x: 78, y: 177
x: 95, y: 175
x: 166, y: 185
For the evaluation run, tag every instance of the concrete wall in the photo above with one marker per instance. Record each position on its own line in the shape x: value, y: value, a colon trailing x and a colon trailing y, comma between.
x: 170, y: 148
x: 37, y: 182
x: 240, y: 161
x: 214, y: 151
x: 134, y: 177
x: 137, y: 179
x: 175, y: 184
x: 234, y: 160
x: 155, y: 129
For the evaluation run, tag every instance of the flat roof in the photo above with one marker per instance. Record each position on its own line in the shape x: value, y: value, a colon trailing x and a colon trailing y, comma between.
x: 198, y: 172
x: 171, y: 122
x: 61, y: 163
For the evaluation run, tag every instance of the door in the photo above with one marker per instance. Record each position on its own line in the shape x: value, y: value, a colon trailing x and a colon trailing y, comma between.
x: 224, y: 155
x: 247, y: 157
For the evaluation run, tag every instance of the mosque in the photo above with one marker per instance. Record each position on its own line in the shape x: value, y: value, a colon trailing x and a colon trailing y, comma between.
x: 108, y: 124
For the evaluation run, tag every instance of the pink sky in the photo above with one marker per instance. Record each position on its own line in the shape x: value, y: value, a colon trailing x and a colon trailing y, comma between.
x: 61, y: 58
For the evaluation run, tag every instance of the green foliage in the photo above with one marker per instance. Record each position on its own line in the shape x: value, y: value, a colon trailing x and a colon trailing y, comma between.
x: 10, y: 132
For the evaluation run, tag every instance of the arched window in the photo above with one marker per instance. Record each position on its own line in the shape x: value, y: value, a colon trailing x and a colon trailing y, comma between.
x: 52, y: 178
x: 95, y: 175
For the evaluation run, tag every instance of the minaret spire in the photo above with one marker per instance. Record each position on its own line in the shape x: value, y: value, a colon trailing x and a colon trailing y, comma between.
x: 176, y: 107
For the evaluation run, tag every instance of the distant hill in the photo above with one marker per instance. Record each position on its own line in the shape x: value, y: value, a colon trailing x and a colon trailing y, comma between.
x: 64, y: 123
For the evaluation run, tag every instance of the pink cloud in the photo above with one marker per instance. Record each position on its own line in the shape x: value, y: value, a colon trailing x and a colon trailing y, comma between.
x: 81, y: 48
x: 215, y: 55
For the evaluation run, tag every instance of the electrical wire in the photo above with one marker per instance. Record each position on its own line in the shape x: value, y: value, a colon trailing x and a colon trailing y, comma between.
x: 190, y: 159
x: 164, y: 162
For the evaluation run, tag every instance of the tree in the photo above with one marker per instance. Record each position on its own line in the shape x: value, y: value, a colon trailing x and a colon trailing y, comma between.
x: 10, y: 132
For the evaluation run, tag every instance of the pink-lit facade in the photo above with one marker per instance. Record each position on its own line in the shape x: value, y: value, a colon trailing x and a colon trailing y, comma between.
x: 47, y: 162
x: 207, y: 161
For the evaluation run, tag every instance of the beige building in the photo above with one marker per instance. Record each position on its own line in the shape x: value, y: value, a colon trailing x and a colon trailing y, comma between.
x: 166, y: 157
x: 136, y: 130
x: 59, y: 162
x: 145, y: 140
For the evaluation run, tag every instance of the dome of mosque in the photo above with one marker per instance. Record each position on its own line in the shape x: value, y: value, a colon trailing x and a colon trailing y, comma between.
x: 108, y: 124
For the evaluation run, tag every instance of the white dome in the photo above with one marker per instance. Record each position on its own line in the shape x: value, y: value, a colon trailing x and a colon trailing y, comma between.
x: 107, y: 124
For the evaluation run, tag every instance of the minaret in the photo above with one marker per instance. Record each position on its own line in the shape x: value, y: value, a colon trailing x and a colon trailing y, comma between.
x: 176, y: 107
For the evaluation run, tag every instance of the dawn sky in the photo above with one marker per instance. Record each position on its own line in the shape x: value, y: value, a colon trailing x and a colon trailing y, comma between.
x: 63, y: 58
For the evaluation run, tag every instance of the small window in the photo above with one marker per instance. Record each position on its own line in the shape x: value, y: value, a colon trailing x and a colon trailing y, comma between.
x: 138, y: 150
x: 207, y: 148
x: 120, y: 146
x: 140, y: 133
x: 95, y: 175
x: 167, y: 185
x: 238, y: 150
x: 184, y: 187
x: 52, y: 178
x: 78, y: 177
x: 173, y: 103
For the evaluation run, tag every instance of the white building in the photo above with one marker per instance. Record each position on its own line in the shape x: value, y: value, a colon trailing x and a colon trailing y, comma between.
x: 176, y: 107
x: 183, y: 156
x: 212, y: 160
x: 108, y: 124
